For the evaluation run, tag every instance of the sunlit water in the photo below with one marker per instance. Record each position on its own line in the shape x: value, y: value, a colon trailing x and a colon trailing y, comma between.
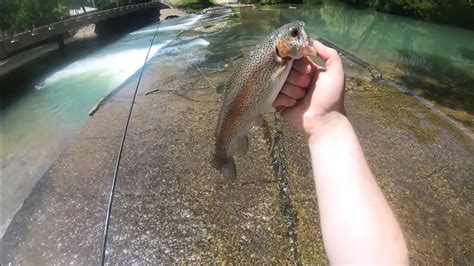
x: 436, y: 60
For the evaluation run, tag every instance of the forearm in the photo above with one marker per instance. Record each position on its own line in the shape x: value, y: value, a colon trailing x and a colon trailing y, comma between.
x: 357, y: 222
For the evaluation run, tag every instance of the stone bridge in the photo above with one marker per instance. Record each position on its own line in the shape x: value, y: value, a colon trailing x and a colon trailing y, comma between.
x: 56, y: 31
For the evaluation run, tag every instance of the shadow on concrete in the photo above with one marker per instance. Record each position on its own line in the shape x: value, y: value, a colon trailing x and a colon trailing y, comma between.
x: 439, y: 80
x: 21, y: 81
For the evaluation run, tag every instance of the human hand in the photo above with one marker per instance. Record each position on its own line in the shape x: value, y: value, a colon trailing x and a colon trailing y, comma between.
x: 313, y: 95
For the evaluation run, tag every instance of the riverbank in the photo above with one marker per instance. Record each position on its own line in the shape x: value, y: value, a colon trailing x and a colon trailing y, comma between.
x: 458, y: 13
x: 7, y: 65
x: 30, y: 141
x: 45, y: 99
x: 171, y: 206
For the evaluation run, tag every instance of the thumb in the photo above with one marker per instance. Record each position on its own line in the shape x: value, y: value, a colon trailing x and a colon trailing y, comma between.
x: 330, y: 57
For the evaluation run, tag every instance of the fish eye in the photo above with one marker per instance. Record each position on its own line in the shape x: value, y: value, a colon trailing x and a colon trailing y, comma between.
x: 294, y: 32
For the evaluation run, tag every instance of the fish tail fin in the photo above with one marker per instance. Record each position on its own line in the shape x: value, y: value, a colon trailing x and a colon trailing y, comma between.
x: 226, y: 166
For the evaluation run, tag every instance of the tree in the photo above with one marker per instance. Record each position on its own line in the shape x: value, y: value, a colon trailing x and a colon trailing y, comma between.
x: 20, y: 15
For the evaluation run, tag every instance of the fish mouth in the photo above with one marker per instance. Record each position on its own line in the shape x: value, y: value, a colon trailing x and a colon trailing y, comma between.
x: 278, y: 53
x: 308, y: 48
x: 306, y: 42
x: 305, y: 48
x: 280, y: 59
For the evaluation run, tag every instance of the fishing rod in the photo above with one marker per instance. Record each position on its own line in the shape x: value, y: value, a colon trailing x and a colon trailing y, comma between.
x: 373, y: 71
x: 278, y: 148
x: 119, y: 156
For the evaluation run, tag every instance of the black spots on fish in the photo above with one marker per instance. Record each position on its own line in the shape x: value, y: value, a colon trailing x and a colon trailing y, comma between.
x: 254, y: 76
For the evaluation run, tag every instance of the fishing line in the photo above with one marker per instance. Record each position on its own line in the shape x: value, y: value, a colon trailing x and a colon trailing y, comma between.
x: 202, y: 73
x: 278, y: 145
x: 119, y: 156
x: 199, y: 69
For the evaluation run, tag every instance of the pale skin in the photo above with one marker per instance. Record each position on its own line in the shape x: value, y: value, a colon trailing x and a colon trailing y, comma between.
x: 357, y: 223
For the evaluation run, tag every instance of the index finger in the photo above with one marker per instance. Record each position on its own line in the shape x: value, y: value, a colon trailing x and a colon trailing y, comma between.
x: 329, y: 56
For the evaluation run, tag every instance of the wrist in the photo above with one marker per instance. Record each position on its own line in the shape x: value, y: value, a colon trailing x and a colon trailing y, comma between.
x: 330, y: 124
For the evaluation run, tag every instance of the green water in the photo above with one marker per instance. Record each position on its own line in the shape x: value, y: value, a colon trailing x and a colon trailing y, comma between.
x: 436, y: 60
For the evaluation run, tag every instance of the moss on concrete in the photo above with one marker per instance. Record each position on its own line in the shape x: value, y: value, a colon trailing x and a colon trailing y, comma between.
x: 411, y: 114
x: 424, y: 166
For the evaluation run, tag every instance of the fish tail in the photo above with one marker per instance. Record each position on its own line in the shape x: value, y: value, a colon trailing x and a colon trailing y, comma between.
x: 226, y: 166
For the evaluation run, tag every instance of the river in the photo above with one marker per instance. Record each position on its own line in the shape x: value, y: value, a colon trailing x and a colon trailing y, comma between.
x: 45, y: 102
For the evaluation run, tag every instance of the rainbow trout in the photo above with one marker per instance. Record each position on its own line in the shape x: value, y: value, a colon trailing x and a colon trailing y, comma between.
x: 252, y: 89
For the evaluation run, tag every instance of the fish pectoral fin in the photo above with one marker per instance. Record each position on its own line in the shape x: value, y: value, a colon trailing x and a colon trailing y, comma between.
x: 270, y: 110
x: 278, y: 73
x: 228, y: 170
x: 258, y: 122
x: 242, y: 145
x: 220, y: 88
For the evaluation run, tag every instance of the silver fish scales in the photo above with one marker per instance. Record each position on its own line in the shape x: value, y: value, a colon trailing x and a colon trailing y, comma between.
x: 251, y: 90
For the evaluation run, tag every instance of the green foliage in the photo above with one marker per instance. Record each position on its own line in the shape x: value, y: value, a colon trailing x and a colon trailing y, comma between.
x: 6, y: 19
x: 17, y: 16
x: 21, y: 15
x: 454, y: 12
x: 269, y: 2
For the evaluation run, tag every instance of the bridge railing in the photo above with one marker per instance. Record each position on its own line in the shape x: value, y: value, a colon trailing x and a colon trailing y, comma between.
x: 12, y: 43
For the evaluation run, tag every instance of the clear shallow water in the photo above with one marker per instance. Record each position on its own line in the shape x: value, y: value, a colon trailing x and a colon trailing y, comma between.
x: 437, y: 61
x: 434, y: 60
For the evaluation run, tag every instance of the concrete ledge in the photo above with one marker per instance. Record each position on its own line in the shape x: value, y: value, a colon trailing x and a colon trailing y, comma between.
x: 25, y: 39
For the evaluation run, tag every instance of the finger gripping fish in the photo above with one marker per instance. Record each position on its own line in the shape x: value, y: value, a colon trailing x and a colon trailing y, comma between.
x: 252, y: 89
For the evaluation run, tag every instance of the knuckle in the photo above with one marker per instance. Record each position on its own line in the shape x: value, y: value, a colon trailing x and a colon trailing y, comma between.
x: 292, y: 102
x: 277, y: 103
x: 303, y: 67
x: 286, y: 101
x: 333, y: 52
x: 300, y: 93
x: 306, y: 80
